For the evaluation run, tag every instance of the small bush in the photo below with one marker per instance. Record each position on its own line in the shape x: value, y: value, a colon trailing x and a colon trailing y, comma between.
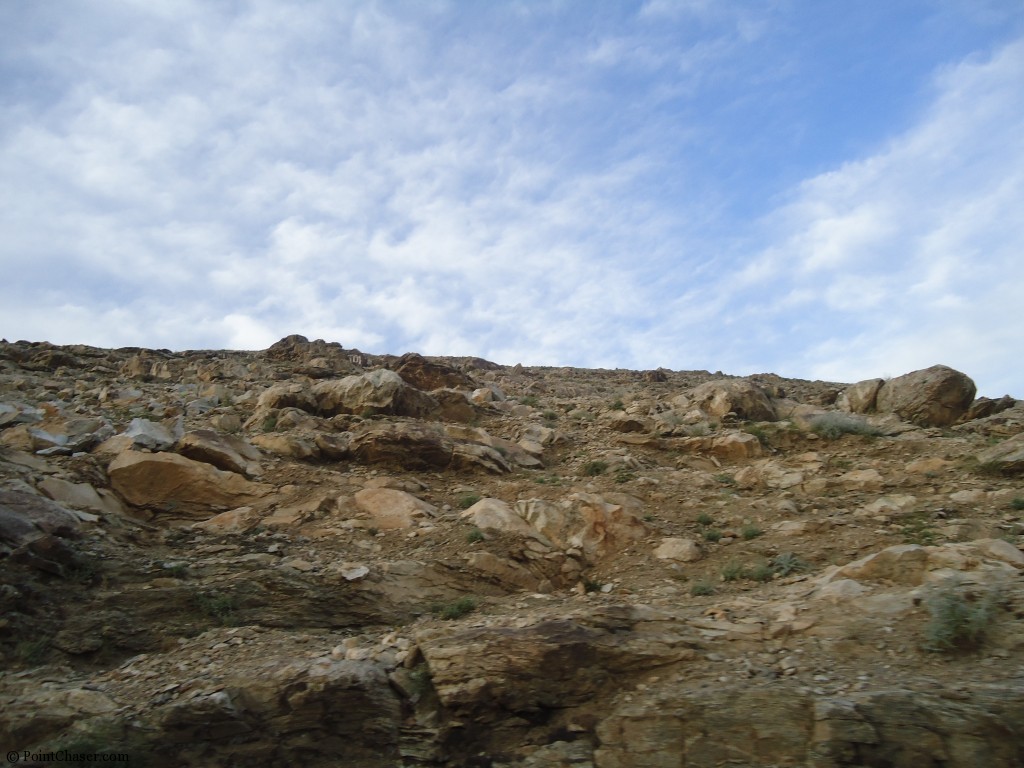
x: 759, y: 432
x: 594, y: 468
x: 835, y: 425
x: 761, y: 573
x: 217, y: 606
x: 456, y: 610
x: 1017, y: 503
x: 712, y: 535
x: 787, y: 563
x: 618, y: 405
x: 589, y: 585
x: 549, y: 416
x: 529, y: 400
x: 733, y: 572
x: 959, y: 621
x: 704, y: 519
x: 623, y: 475
x: 750, y: 532
x: 701, y: 589
x: 467, y: 500
x: 474, y: 536
x: 270, y: 423
x: 725, y: 478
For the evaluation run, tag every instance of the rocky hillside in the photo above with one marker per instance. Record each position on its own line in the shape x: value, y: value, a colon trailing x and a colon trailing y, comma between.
x: 312, y: 556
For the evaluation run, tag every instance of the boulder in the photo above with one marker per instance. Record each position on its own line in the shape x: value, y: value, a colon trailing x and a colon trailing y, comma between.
x: 861, y: 397
x: 584, y: 521
x: 149, y: 434
x: 718, y: 398
x: 680, y: 550
x: 497, y: 515
x: 425, y: 375
x: 234, y: 454
x: 409, y: 445
x: 380, y: 391
x: 287, y: 396
x: 179, y: 487
x: 1006, y: 457
x: 389, y: 509
x: 290, y: 446
x: 933, y: 397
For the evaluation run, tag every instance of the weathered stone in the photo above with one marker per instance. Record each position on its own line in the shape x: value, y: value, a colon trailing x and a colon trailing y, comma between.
x: 680, y: 550
x: 427, y: 376
x: 389, y: 509
x: 234, y: 454
x: 380, y: 391
x: 1006, y: 457
x: 149, y: 434
x: 718, y: 398
x: 861, y: 397
x: 933, y: 397
x: 179, y: 487
x: 291, y: 446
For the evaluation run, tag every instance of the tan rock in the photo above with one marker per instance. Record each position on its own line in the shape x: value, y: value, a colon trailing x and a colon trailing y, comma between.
x: 681, y: 550
x: 861, y: 397
x: 1007, y: 457
x: 861, y: 480
x: 425, y: 375
x: 379, y: 391
x: 234, y: 454
x: 927, y: 465
x: 497, y: 515
x: 235, y: 520
x: 389, y: 509
x: 290, y: 446
x: 177, y: 486
x: 718, y: 398
x: 933, y: 397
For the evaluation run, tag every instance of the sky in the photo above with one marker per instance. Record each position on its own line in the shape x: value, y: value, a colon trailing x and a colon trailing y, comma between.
x: 816, y: 188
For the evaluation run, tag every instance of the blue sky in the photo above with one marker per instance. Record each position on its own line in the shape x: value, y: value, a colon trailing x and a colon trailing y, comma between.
x: 817, y: 188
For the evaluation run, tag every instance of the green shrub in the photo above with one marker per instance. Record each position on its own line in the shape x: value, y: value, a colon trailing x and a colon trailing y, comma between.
x: 270, y: 423
x: 750, y: 532
x: 787, y: 563
x: 733, y: 572
x: 835, y: 425
x: 701, y: 589
x: 959, y: 621
x: 474, y: 536
x: 1017, y: 503
x: 529, y: 400
x: 589, y: 585
x: 457, y: 609
x: 594, y: 468
x: 712, y: 535
x: 467, y: 500
x: 762, y: 573
x: 618, y: 405
x: 725, y: 478
x: 217, y: 606
x: 704, y: 519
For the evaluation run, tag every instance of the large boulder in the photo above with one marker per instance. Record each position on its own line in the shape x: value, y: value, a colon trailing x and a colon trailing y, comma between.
x: 233, y: 454
x: 179, y: 487
x: 388, y: 508
x: 932, y: 397
x: 380, y: 391
x: 860, y: 397
x: 718, y: 398
x: 423, y: 374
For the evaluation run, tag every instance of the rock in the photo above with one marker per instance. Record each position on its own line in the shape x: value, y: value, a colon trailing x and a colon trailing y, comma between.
x: 861, y: 397
x: 934, y: 397
x: 984, y: 407
x: 287, y: 396
x: 422, y: 374
x: 148, y: 434
x: 178, y: 487
x: 389, y: 509
x: 718, y: 398
x: 290, y: 446
x: 680, y: 550
x: 80, y: 496
x: 496, y: 515
x: 380, y: 391
x: 235, y: 520
x: 861, y: 480
x: 234, y: 454
x: 408, y: 445
x: 584, y: 521
x: 453, y: 405
x: 25, y: 517
x: 1006, y: 457
x: 620, y: 421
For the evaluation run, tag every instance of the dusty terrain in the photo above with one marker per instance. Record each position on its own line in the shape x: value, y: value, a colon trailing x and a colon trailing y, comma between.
x: 312, y: 556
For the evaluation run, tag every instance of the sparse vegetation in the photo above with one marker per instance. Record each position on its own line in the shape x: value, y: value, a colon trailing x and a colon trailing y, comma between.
x: 704, y: 519
x: 32, y: 653
x: 457, y: 609
x: 270, y: 423
x: 623, y: 475
x: 733, y: 572
x: 917, y: 530
x: 1017, y: 503
x: 960, y: 620
x: 787, y: 563
x: 712, y: 535
x: 762, y: 572
x: 750, y: 532
x: 467, y: 500
x: 594, y: 468
x: 474, y: 536
x: 618, y: 405
x: 589, y: 585
x: 218, y: 606
x: 834, y: 425
x: 529, y: 400
x: 725, y: 478
x: 701, y: 589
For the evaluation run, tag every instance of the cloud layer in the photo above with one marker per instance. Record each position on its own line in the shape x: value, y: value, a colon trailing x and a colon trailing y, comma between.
x: 659, y: 184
